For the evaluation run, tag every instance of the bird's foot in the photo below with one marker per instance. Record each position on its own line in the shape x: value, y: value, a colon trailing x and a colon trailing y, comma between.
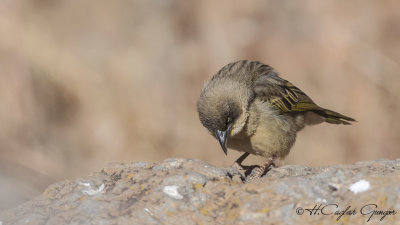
x: 237, y: 166
x: 260, y: 171
x: 238, y: 163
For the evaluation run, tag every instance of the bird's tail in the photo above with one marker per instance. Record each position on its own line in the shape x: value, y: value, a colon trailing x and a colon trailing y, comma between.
x: 334, y: 117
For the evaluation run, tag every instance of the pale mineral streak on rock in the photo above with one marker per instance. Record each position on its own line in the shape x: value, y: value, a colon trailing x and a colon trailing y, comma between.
x: 189, y: 191
x: 90, y: 190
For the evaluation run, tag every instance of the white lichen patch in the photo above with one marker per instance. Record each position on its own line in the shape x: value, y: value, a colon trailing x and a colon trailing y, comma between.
x: 175, y: 164
x: 84, y: 184
x: 92, y: 191
x: 360, y: 186
x: 172, y: 191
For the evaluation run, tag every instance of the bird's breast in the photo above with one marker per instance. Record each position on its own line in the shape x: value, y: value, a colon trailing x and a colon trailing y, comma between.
x: 267, y: 133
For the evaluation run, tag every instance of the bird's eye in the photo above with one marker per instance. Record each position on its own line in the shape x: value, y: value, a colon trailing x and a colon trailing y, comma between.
x: 228, y: 120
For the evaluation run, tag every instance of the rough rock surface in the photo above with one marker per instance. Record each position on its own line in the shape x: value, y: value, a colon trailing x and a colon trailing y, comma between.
x: 184, y: 191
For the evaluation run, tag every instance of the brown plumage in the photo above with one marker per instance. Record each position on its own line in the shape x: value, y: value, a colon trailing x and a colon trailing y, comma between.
x: 249, y: 108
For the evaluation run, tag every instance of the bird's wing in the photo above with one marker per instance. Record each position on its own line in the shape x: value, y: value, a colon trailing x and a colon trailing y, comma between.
x: 283, y: 94
x: 288, y: 98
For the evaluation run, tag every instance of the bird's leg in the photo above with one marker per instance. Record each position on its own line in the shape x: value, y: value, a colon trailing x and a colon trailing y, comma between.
x: 238, y: 163
x: 261, y: 170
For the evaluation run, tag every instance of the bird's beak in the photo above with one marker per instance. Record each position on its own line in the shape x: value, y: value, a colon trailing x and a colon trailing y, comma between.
x: 222, y: 137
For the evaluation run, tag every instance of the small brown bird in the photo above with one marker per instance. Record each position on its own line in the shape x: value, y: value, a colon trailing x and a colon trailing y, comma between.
x: 249, y: 108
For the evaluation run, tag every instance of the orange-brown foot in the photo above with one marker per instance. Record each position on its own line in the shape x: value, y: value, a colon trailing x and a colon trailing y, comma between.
x: 260, y: 171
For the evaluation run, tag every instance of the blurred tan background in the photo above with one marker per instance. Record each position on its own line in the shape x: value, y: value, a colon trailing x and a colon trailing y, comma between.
x: 86, y: 83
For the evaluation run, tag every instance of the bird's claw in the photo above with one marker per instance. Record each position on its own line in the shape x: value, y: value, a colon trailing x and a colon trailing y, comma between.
x: 260, y: 171
x: 237, y: 166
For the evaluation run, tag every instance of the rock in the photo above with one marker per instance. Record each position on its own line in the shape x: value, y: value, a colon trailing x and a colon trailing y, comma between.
x: 186, y: 191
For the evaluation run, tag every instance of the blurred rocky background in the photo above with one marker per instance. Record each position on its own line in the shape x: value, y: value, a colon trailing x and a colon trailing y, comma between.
x: 86, y: 83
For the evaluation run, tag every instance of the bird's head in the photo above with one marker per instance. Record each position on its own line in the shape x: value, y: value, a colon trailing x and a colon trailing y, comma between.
x: 223, y: 112
x: 224, y: 100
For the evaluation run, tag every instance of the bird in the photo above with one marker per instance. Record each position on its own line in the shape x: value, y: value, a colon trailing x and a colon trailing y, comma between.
x: 249, y: 108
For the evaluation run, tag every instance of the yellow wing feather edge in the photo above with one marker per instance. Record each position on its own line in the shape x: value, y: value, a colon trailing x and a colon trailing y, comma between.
x: 292, y: 99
